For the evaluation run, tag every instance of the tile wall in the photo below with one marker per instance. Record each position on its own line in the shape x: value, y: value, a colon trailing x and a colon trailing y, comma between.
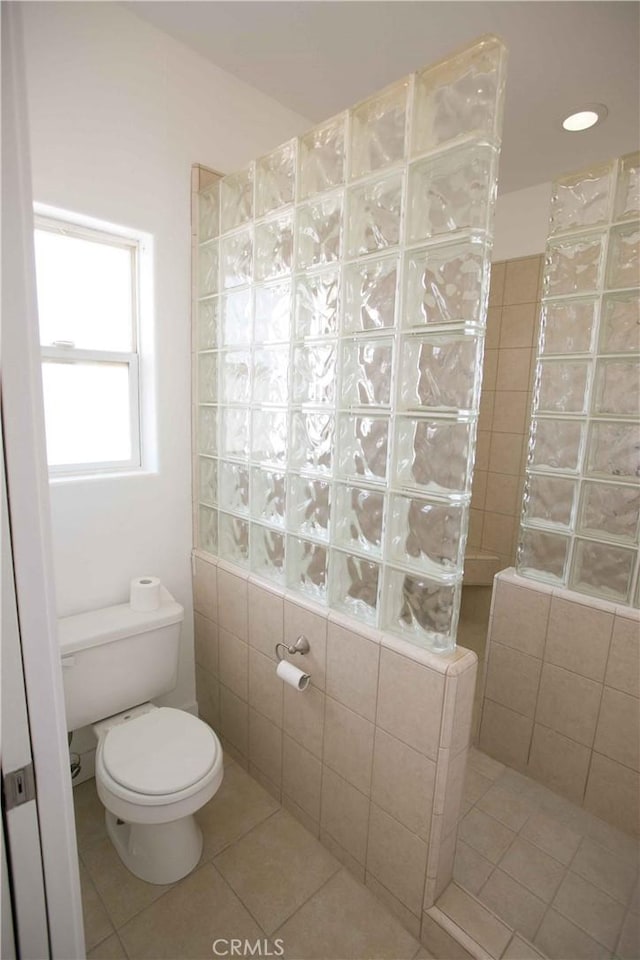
x: 562, y: 695
x: 370, y: 758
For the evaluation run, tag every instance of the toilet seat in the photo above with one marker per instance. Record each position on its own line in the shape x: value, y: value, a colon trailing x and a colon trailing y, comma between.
x: 161, y: 753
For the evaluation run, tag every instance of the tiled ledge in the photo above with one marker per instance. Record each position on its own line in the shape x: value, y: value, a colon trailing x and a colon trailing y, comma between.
x: 480, y: 568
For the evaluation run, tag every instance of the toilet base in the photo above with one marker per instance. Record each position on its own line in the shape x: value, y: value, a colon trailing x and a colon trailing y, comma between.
x: 157, y: 852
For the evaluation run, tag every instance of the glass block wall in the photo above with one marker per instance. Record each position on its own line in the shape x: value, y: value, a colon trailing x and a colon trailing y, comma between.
x: 582, y: 496
x: 342, y: 289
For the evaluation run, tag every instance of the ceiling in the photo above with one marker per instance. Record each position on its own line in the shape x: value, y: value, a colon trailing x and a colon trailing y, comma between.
x: 317, y: 58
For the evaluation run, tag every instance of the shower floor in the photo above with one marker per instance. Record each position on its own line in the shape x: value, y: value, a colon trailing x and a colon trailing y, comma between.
x: 562, y: 878
x: 262, y: 877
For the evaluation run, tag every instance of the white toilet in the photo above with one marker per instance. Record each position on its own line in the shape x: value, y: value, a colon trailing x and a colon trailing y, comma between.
x: 155, y: 766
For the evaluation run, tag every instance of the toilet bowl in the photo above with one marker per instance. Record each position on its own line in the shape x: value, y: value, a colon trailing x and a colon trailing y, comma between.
x: 155, y: 767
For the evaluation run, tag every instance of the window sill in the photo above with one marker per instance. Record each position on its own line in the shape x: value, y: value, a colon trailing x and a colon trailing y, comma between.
x: 62, y: 478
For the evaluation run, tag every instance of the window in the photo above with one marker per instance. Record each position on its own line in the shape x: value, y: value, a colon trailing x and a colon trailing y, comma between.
x: 87, y: 283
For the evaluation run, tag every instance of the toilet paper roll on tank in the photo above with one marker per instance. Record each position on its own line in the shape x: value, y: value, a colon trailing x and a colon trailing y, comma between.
x: 144, y: 594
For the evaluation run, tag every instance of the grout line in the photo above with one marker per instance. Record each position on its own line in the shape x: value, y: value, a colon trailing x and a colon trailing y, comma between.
x: 311, y: 896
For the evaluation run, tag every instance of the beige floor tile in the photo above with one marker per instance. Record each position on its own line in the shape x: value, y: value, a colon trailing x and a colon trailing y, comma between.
x: 97, y: 926
x: 89, y: 814
x: 109, y: 949
x: 122, y: 894
x: 590, y: 909
x: 605, y: 870
x: 509, y: 808
x: 186, y: 921
x: 344, y: 920
x: 275, y: 868
x: 475, y: 920
x: 513, y: 903
x: 535, y: 870
x: 551, y: 836
x: 470, y: 869
x: 519, y: 949
x: 475, y: 785
x: 485, y: 765
x: 239, y: 805
x: 628, y: 947
x: 486, y: 835
x: 560, y: 939
x: 408, y: 920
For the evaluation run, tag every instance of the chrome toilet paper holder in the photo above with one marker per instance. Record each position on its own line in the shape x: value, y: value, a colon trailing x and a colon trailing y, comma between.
x: 300, y: 646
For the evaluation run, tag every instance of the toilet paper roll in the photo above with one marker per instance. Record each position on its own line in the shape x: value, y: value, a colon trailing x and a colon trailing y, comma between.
x: 144, y: 594
x: 291, y: 675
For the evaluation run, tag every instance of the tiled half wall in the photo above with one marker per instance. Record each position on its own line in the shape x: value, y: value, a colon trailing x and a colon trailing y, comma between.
x: 561, y: 699
x: 371, y: 757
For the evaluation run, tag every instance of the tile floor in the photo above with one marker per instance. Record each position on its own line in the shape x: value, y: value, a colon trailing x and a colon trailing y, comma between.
x: 262, y: 877
x: 565, y: 880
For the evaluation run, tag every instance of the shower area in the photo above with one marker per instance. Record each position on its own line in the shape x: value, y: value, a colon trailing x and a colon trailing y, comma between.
x: 470, y: 754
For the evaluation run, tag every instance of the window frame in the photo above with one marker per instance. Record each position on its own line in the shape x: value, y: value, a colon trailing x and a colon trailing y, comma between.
x: 63, y: 352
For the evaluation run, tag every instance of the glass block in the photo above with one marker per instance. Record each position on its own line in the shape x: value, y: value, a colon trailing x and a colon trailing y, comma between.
x: 314, y: 373
x: 207, y: 313
x: 542, y: 556
x: 623, y: 260
x: 319, y: 232
x: 208, y: 430
x: 582, y: 199
x: 272, y: 312
x: 234, y: 487
x: 235, y: 317
x: 378, y: 130
x: 556, y: 444
x: 311, y: 441
x: 234, y: 433
x: 567, y: 326
x: 609, y: 511
x: 269, y: 437
x: 427, y: 536
x: 433, y: 455
x: 268, y: 554
x: 208, y: 212
x: 573, y: 265
x: 207, y: 529
x: 207, y: 377
x: 617, y: 388
x: 628, y: 193
x: 275, y: 178
x: 208, y: 268
x: 233, y: 539
x: 274, y: 247
x: 446, y: 284
x: 451, y: 192
x: 549, y: 500
x: 236, y: 199
x: 271, y: 375
x: 354, y: 586
x: 235, y: 384
x: 316, y: 304
x: 370, y: 294
x: 367, y: 367
x: 614, y: 451
x: 374, y: 211
x: 308, y: 506
x: 363, y: 443
x: 236, y: 255
x: 460, y: 97
x: 561, y: 386
x: 602, y: 569
x: 440, y: 373
x: 422, y: 610
x: 307, y: 568
x: 208, y: 480
x: 357, y: 518
x: 268, y: 496
x: 620, y: 323
x: 322, y: 157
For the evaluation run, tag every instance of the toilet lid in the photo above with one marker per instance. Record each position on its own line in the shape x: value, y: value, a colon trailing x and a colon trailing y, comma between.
x: 161, y: 752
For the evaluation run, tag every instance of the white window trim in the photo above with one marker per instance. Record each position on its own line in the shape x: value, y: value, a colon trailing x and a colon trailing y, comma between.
x: 62, y: 352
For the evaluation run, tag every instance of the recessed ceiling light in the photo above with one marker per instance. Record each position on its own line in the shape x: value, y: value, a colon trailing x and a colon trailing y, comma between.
x: 583, y: 119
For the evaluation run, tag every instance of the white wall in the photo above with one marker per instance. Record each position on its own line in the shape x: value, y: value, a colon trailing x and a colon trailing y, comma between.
x: 118, y: 112
x: 522, y: 222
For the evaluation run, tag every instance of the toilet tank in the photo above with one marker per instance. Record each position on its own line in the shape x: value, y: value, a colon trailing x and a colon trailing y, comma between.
x: 116, y: 658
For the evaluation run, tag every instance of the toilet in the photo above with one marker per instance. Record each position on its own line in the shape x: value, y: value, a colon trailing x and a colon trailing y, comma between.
x: 155, y: 766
